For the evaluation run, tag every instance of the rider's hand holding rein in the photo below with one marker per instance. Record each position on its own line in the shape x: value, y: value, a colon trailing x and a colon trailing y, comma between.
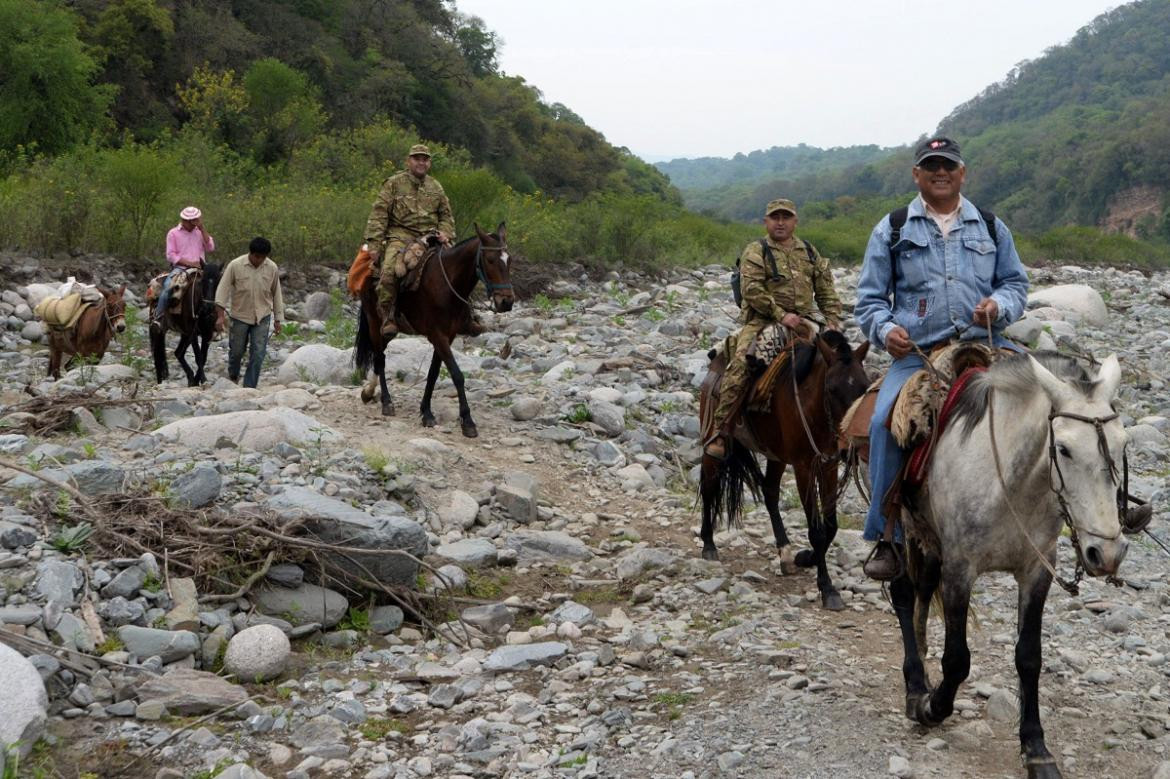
x: 986, y: 313
x: 898, y: 342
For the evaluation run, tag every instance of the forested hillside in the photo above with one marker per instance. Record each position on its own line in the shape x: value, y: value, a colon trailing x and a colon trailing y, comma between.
x: 1078, y: 136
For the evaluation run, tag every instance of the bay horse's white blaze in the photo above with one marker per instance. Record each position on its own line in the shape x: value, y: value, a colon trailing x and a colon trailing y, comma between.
x: 1061, y: 449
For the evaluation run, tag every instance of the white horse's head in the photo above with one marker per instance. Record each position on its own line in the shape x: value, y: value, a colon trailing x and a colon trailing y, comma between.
x: 1086, y: 451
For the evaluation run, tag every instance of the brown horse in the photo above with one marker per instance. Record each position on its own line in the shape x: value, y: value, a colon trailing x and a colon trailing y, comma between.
x: 92, y: 333
x: 811, y: 394
x: 194, y: 319
x: 439, y: 309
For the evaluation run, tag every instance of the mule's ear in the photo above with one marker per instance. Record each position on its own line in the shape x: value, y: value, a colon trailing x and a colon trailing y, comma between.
x: 860, y: 352
x: 827, y: 352
x: 1058, y: 392
x: 1108, y: 379
x: 121, y: 290
x: 502, y: 231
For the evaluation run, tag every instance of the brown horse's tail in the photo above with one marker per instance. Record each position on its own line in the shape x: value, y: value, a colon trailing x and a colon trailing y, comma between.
x: 722, y: 490
x: 363, y: 345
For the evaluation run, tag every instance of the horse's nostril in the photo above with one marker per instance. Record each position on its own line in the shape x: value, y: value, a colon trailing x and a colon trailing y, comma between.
x: 1094, y: 558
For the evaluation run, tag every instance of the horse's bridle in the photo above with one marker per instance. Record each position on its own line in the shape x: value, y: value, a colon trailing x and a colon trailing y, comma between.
x: 110, y: 320
x: 480, y: 273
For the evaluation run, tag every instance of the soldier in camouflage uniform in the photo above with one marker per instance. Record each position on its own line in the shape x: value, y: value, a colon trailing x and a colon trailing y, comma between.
x: 410, y: 205
x: 803, y: 294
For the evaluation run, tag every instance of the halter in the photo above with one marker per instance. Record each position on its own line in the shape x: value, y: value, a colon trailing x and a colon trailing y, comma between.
x: 479, y: 271
x: 110, y: 320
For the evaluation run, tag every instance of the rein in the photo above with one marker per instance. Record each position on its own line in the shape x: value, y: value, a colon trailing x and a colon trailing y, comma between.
x: 479, y: 272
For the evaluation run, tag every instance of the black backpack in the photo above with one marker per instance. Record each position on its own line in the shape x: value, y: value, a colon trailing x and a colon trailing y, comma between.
x: 898, y: 220
x: 770, y: 259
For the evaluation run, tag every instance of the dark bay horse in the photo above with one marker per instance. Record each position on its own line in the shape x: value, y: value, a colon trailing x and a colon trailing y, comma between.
x: 1034, y: 446
x: 90, y: 337
x: 194, y: 320
x: 439, y: 309
x: 799, y: 429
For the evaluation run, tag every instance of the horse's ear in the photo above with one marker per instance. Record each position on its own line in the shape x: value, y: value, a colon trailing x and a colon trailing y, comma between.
x: 1058, y: 392
x: 827, y: 352
x: 121, y: 290
x: 478, y: 231
x: 860, y: 352
x: 502, y: 231
x: 1108, y: 379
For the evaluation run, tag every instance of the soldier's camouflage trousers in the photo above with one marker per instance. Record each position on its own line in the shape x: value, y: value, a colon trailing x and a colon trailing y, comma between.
x: 735, y: 376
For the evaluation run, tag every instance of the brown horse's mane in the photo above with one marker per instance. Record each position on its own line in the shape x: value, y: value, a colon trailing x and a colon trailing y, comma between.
x: 806, y: 354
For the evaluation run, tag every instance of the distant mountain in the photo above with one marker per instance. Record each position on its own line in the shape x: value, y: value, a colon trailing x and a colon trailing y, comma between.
x: 1080, y: 135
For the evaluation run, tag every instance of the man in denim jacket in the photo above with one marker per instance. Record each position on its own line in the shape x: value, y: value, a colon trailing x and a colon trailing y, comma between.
x: 945, y: 278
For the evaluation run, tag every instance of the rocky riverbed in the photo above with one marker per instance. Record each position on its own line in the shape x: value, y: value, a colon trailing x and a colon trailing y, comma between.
x: 597, y: 643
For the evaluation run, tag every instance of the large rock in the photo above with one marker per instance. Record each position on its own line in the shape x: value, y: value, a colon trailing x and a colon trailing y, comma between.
x: 25, y: 704
x: 304, y: 605
x: 461, y: 511
x: 641, y: 559
x: 1078, y: 300
x: 546, y: 546
x: 170, y: 645
x: 92, y: 477
x: 318, y: 363
x: 473, y: 552
x: 256, y: 430
x: 58, y: 582
x: 257, y: 654
x: 519, y: 657
x: 408, y: 359
x: 186, y: 692
x: 197, y: 487
x: 336, y: 522
x: 316, y: 305
x: 610, y: 417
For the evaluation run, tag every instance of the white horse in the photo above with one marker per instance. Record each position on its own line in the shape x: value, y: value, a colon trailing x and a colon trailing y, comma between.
x: 1034, y: 445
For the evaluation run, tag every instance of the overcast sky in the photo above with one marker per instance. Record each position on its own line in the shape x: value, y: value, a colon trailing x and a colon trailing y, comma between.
x: 692, y: 78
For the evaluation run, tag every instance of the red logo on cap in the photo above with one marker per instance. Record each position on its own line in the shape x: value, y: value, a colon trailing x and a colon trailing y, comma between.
x: 936, y: 144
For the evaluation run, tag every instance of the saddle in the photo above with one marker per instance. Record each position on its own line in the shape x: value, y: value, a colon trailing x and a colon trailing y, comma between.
x: 413, y: 259
x: 179, y: 284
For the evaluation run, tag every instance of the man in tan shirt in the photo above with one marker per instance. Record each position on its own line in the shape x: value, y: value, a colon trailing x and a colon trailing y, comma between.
x: 250, y: 291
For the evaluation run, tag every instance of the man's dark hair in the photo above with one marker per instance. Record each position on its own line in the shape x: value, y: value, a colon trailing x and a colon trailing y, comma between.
x: 260, y: 246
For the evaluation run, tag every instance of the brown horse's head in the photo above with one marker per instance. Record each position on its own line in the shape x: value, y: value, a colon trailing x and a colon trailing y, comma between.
x: 845, y: 378
x: 115, y: 307
x: 492, y: 265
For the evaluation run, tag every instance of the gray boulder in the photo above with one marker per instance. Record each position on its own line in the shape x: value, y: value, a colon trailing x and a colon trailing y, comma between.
x: 318, y: 363
x: 255, y: 430
x: 386, y: 619
x: 336, y: 522
x: 302, y: 606
x: 126, y: 584
x: 546, y: 546
x: 58, y: 582
x: 197, y: 487
x: 316, y: 305
x: 186, y: 692
x: 491, y: 618
x: 1075, y: 301
x: 608, y: 416
x: 25, y: 704
x: 474, y: 552
x: 461, y: 511
x: 257, y: 654
x: 170, y: 645
x: 520, y: 657
x: 641, y: 559
x: 92, y: 477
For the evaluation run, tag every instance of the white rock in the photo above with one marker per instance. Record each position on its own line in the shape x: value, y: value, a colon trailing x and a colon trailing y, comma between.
x: 25, y: 703
x: 257, y: 654
x: 318, y: 363
x: 257, y: 430
x: 1080, y: 300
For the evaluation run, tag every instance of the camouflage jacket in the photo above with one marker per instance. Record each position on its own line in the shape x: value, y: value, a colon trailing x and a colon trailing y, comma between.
x: 407, y: 208
x: 805, y: 286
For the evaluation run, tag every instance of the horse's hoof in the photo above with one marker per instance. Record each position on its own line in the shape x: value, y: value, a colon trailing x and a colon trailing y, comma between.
x: 1042, y: 767
x: 831, y: 601
x: 428, y: 420
x: 469, y: 431
x: 367, y: 396
x: 918, y: 709
x: 387, y: 409
x: 805, y: 558
x: 710, y: 554
x: 787, y: 560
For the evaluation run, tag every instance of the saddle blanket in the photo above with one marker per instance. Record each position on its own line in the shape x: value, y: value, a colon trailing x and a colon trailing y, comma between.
x: 360, y: 269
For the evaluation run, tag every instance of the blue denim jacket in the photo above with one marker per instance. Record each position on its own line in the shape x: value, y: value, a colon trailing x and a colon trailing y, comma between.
x: 938, y: 282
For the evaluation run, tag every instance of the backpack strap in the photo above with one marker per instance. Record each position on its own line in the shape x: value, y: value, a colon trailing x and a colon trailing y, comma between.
x: 770, y: 258
x: 989, y: 220
x: 898, y: 220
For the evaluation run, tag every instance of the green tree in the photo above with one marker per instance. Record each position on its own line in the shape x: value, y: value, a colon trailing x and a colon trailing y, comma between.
x: 47, y: 94
x: 131, y: 39
x: 283, y: 108
x: 137, y: 179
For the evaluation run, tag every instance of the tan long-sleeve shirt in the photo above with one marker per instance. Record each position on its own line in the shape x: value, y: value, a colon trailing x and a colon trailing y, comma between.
x: 250, y: 293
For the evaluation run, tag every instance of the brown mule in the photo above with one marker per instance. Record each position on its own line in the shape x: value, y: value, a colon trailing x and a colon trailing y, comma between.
x: 439, y: 309
x: 811, y: 395
x: 92, y: 333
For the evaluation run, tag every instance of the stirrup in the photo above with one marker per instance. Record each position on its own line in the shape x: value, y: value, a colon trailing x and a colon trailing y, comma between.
x: 899, y: 561
x: 714, y: 440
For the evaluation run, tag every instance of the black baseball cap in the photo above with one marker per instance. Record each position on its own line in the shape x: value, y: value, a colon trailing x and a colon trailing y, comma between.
x: 937, y: 147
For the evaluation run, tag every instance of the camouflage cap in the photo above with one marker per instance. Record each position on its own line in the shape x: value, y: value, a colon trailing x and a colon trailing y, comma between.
x: 419, y: 149
x: 780, y: 204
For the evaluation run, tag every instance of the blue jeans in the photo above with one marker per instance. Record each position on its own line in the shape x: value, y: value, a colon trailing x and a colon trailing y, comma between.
x: 164, y: 297
x: 885, y: 456
x: 255, y: 338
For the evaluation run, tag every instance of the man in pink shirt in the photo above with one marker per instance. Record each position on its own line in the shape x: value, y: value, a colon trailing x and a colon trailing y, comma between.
x: 187, y: 244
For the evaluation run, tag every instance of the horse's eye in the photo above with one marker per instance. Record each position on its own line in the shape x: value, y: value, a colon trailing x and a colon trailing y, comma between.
x: 1064, y: 452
